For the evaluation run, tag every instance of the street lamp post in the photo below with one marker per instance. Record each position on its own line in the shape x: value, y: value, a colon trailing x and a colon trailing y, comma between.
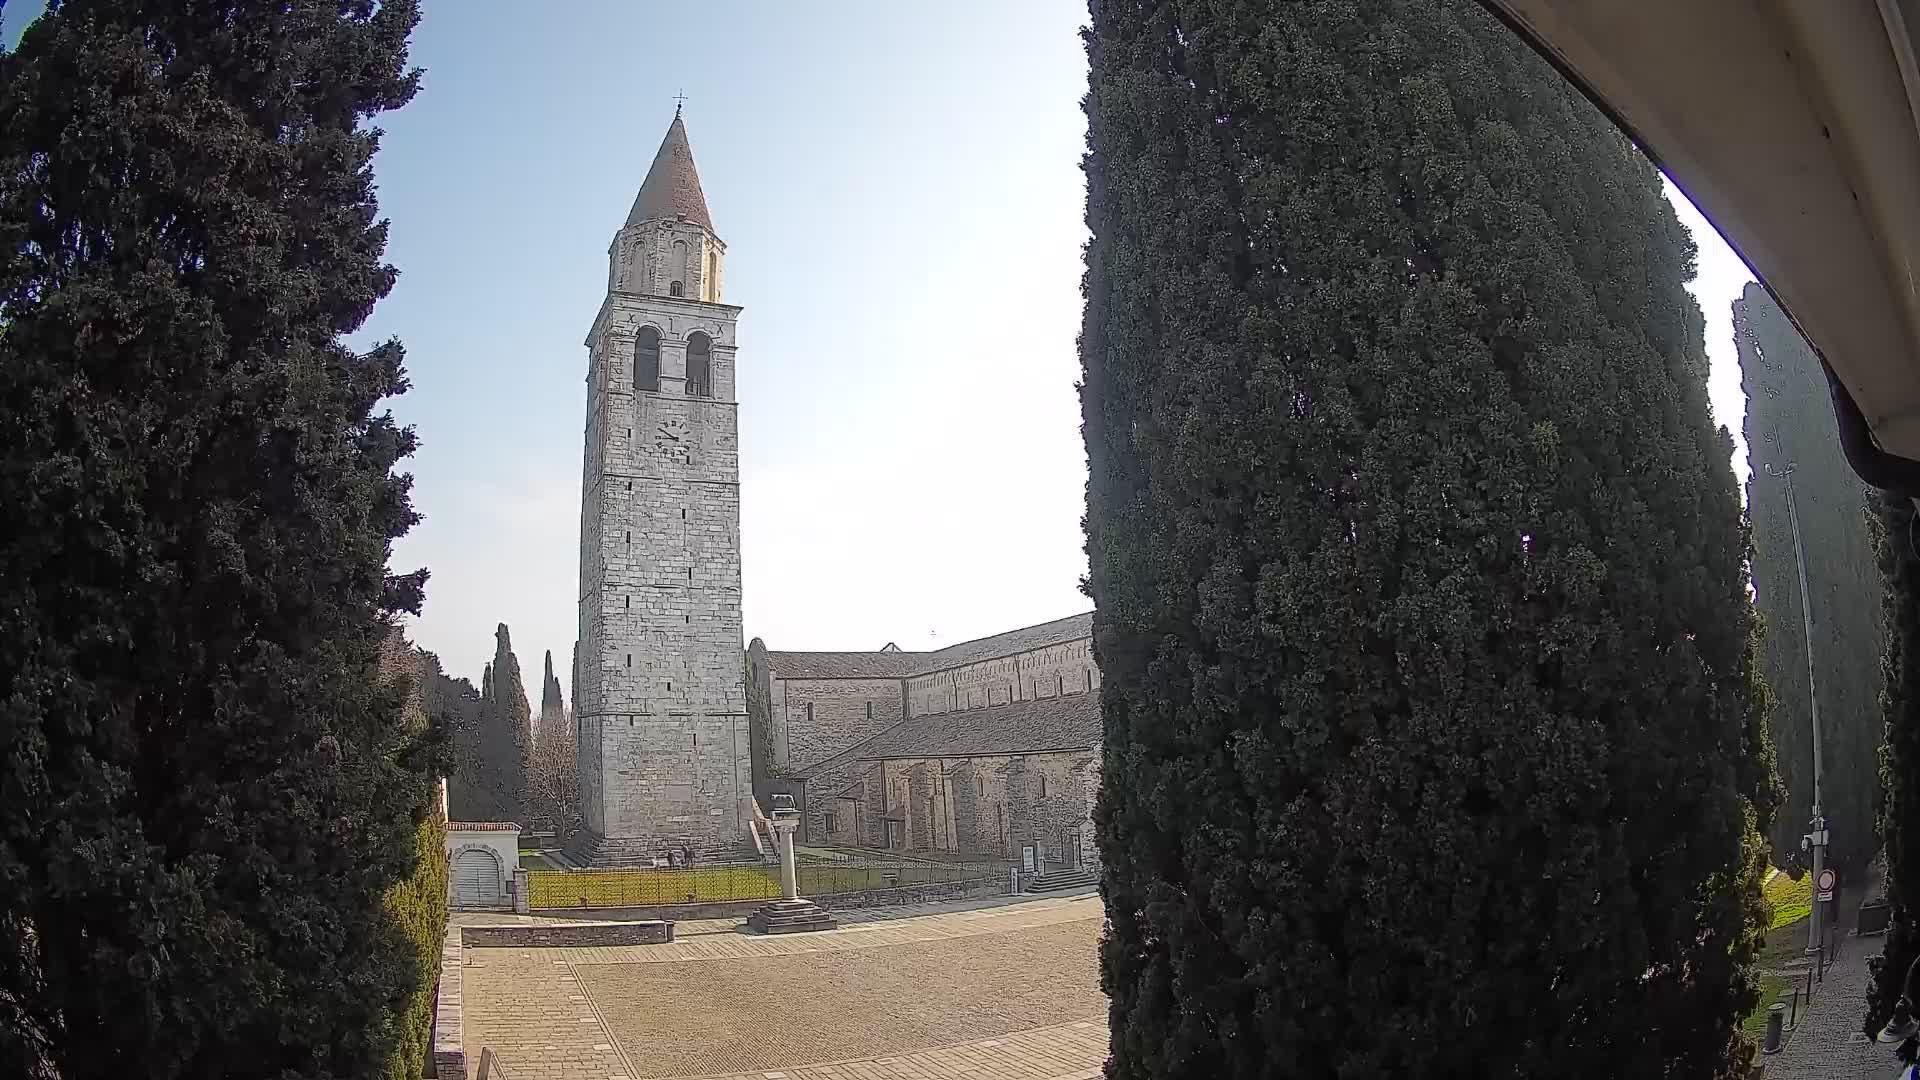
x: 1815, y: 842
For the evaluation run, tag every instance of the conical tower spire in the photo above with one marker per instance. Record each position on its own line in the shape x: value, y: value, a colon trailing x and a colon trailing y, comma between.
x: 672, y: 188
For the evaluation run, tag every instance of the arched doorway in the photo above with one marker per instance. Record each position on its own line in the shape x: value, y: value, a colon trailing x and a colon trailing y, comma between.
x: 477, y: 878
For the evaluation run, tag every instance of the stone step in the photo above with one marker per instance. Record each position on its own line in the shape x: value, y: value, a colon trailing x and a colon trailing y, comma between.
x: 791, y: 917
x: 1062, y: 880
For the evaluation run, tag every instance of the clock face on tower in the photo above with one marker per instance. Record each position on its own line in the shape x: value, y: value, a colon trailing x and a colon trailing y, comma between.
x: 670, y: 439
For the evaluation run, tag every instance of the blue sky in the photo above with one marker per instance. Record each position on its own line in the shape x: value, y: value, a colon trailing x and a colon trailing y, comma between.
x: 898, y: 185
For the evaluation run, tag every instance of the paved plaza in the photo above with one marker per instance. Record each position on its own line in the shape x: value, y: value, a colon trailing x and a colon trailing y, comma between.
x: 1007, y: 990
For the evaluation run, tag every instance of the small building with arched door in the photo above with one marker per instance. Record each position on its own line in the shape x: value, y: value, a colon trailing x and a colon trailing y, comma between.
x: 482, y: 856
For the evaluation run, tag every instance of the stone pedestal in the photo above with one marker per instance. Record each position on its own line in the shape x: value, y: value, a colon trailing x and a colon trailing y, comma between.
x: 796, y: 916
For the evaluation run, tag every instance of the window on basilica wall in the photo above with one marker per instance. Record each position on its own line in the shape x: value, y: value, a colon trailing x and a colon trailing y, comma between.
x: 1043, y: 787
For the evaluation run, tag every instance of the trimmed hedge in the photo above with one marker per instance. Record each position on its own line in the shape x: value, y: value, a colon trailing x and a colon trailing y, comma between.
x: 418, y: 906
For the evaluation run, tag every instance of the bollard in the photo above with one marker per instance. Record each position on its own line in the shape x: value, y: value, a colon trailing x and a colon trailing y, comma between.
x: 1776, y: 1021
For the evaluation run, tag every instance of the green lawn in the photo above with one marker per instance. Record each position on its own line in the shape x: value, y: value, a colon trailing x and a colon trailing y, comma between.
x: 1792, y: 900
x: 1772, y: 988
x: 1785, y: 943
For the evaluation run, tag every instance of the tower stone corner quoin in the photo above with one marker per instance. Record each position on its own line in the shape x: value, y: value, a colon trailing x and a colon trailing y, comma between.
x: 660, y: 697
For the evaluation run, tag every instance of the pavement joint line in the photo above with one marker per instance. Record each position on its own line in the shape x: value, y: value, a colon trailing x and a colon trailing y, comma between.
x: 619, y: 1050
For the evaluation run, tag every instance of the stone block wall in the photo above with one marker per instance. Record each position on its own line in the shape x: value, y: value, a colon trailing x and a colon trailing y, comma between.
x: 643, y: 258
x: 567, y: 934
x: 1047, y: 803
x: 989, y: 805
x: 814, y: 719
x: 1065, y: 668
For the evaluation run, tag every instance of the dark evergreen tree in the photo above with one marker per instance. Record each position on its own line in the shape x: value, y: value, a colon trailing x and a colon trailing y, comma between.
x: 553, y: 705
x: 1790, y: 424
x: 1434, y: 743
x: 1899, y: 550
x: 207, y: 788
x: 469, y: 796
x: 506, y: 728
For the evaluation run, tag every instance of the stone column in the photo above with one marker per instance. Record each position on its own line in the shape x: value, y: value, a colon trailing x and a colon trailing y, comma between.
x: 783, y: 828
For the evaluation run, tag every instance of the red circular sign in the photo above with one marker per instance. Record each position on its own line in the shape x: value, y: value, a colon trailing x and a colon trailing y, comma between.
x: 1826, y: 881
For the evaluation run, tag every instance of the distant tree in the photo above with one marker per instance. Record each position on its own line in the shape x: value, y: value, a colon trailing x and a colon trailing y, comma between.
x: 506, y: 728
x: 553, y: 795
x: 1789, y: 422
x: 1434, y: 739
x: 207, y: 789
x: 471, y: 796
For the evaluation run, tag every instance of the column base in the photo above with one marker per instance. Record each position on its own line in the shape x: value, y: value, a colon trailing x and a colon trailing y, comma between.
x: 791, y: 917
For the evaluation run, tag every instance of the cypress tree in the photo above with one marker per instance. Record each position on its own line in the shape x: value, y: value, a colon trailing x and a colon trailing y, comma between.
x: 1789, y: 423
x: 1899, y: 550
x: 208, y: 788
x: 507, y: 728
x: 1434, y: 744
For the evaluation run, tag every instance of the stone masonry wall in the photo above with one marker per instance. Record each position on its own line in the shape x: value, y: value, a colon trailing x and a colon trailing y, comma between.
x: 643, y: 260
x: 1047, y: 804
x: 1038, y: 673
x: 814, y: 719
x: 979, y: 805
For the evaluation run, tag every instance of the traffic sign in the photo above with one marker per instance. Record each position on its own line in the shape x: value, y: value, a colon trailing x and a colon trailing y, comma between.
x: 1823, y: 887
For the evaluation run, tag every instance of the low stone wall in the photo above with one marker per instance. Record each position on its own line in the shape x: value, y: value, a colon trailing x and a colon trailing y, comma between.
x: 550, y: 935
x: 449, y: 1043
x: 915, y: 894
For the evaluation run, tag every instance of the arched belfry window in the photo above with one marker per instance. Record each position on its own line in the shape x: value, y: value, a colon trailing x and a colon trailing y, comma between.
x: 677, y: 284
x: 646, y: 360
x: 712, y: 280
x: 699, y: 365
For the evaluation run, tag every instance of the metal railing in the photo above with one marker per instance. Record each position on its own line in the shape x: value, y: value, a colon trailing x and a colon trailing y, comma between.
x: 664, y: 886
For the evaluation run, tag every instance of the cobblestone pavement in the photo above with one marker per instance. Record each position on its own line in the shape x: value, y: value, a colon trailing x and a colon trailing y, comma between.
x: 1827, y: 1043
x: 1007, y: 990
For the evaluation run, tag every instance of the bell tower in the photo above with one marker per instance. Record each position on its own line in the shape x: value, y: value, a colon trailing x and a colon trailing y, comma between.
x: 661, y: 697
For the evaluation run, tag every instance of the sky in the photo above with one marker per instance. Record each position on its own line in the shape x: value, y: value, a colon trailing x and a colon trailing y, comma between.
x: 899, y: 189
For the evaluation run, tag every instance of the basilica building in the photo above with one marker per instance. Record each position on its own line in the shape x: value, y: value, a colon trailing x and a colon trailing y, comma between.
x: 990, y: 747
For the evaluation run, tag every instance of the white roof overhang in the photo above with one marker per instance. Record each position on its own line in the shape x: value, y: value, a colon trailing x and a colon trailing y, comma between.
x: 1794, y: 126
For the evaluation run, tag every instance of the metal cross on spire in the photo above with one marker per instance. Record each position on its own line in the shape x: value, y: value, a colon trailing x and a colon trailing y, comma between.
x: 679, y: 99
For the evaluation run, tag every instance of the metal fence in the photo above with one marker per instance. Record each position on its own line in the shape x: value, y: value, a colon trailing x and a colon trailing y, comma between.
x: 661, y: 886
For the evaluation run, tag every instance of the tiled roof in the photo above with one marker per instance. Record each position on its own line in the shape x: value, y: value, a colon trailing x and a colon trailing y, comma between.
x: 843, y: 665
x: 482, y: 826
x: 1068, y: 722
x: 894, y: 664
x: 1071, y: 628
x: 672, y: 187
